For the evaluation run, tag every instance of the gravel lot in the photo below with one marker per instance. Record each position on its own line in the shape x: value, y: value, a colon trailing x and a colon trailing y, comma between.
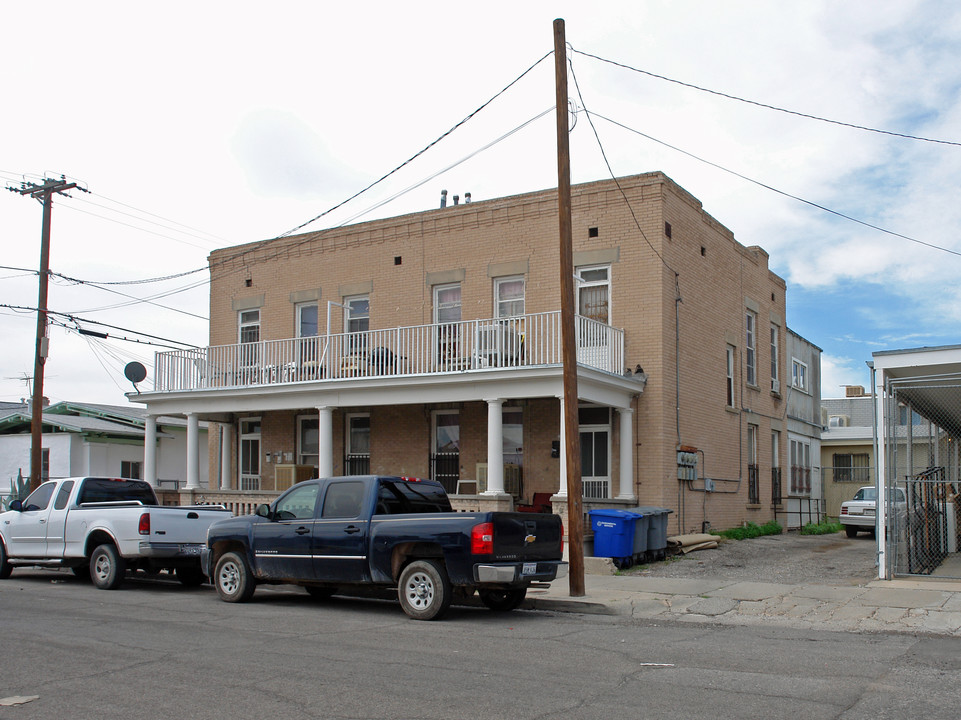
x: 787, y: 558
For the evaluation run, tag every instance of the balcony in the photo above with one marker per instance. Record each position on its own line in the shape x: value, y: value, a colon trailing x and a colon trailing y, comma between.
x: 469, y: 346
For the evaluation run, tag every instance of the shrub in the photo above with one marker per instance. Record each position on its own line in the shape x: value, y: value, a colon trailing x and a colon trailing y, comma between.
x: 751, y: 530
x: 824, y: 528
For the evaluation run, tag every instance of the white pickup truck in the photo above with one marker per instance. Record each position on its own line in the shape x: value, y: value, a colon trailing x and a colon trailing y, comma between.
x: 103, y: 527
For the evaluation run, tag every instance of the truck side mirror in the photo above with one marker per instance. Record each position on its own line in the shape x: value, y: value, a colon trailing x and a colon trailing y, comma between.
x: 263, y: 510
x: 17, y: 505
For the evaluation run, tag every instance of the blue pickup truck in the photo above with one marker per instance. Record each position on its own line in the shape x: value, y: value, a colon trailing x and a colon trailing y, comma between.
x: 333, y: 533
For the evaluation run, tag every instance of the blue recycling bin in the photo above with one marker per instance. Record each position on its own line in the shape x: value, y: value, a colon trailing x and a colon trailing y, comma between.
x: 614, y: 534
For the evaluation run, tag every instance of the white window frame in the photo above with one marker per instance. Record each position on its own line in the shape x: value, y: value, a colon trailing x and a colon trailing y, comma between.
x: 348, y: 437
x: 799, y: 375
x: 299, y: 321
x: 305, y: 458
x: 750, y: 348
x: 249, y: 482
x: 509, y: 307
x: 800, y: 458
x: 775, y: 357
x: 246, y: 321
x: 583, y: 284
x: 731, y: 385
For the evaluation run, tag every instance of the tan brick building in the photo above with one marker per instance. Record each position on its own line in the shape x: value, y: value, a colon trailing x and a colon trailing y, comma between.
x: 442, y: 355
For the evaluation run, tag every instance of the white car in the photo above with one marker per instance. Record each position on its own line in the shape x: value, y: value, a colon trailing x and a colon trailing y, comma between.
x: 859, y: 513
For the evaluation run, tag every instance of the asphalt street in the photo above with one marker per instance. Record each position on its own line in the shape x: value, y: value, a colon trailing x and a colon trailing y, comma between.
x: 158, y: 650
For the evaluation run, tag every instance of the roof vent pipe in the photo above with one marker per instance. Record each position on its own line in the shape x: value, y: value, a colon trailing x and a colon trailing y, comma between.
x: 443, y: 198
x: 467, y: 198
x: 457, y: 199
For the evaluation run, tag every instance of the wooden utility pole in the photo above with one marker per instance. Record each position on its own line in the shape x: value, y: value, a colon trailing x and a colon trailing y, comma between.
x: 575, y: 513
x: 46, y: 192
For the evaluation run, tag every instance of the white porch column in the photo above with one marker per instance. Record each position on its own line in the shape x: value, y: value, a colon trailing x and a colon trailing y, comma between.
x: 495, y: 447
x: 627, y: 454
x: 150, y: 450
x: 563, y: 452
x: 325, y: 442
x: 193, y: 451
x: 226, y: 440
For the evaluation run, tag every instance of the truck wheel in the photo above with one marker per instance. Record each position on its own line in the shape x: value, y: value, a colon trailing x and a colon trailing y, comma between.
x: 851, y: 530
x: 190, y: 576
x: 424, y: 590
x: 107, y: 567
x: 5, y: 567
x: 503, y: 600
x: 233, y: 579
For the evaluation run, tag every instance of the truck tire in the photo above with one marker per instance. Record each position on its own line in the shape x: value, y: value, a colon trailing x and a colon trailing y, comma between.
x: 107, y: 567
x: 190, y: 576
x: 503, y: 600
x: 851, y: 530
x: 82, y: 572
x: 233, y: 579
x: 5, y: 567
x: 424, y: 590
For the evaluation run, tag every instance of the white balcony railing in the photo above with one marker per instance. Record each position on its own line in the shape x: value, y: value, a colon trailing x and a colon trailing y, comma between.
x: 471, y: 345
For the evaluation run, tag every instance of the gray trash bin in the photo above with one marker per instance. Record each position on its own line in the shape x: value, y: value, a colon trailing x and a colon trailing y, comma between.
x: 656, y: 519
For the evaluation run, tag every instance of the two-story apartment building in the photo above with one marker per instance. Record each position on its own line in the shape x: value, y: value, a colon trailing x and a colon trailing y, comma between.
x: 430, y: 345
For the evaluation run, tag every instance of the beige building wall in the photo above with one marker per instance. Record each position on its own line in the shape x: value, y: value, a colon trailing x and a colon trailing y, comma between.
x: 680, y: 345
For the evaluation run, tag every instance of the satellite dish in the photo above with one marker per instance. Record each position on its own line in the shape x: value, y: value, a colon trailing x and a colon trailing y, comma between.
x: 135, y: 372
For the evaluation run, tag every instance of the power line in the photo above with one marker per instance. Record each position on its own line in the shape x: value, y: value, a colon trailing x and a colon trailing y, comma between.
x: 766, y: 105
x: 774, y: 189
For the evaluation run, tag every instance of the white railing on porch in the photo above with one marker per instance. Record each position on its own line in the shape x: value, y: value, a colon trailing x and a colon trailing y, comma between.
x: 471, y: 345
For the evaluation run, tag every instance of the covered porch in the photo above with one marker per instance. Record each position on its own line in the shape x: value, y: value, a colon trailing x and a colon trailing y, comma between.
x: 919, y: 461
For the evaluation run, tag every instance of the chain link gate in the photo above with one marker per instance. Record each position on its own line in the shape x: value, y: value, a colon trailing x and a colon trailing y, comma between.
x: 922, y: 433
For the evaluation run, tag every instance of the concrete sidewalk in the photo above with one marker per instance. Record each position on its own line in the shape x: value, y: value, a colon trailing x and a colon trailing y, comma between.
x: 910, y: 606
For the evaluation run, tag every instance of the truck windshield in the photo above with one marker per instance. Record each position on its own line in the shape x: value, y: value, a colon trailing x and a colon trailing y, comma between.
x: 397, y: 497
x: 106, y: 490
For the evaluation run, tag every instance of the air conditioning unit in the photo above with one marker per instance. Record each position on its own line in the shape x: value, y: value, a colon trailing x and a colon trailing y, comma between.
x: 837, y: 421
x: 775, y: 385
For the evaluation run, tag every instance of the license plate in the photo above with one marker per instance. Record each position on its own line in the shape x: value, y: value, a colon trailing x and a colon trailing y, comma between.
x: 190, y: 549
x: 869, y: 511
x: 529, y: 569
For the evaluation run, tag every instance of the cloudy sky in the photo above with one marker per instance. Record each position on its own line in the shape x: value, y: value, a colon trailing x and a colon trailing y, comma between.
x: 202, y: 125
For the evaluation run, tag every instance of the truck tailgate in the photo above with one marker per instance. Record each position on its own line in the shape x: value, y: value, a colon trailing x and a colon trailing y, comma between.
x: 183, y: 524
x: 527, y: 536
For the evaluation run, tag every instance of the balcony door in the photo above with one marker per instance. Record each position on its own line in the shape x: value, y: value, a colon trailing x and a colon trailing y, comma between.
x: 250, y: 454
x: 594, y: 303
x: 447, y: 315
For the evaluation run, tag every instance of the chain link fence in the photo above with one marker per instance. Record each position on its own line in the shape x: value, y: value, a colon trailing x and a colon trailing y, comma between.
x: 922, y: 432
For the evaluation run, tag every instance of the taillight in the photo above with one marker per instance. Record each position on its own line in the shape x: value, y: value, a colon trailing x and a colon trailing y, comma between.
x: 482, y: 539
x: 143, y: 527
x: 844, y: 511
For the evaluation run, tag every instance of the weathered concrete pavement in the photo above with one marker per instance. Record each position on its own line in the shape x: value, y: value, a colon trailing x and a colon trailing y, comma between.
x: 910, y: 606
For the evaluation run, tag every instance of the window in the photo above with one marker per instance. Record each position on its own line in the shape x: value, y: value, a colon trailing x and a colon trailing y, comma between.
x: 249, y: 334
x: 445, y: 450
x: 800, y: 467
x: 308, y: 441
x: 131, y: 469
x: 512, y: 426
x: 250, y: 454
x: 750, y: 347
x: 508, y: 297
x: 799, y: 374
x: 298, y: 504
x: 730, y: 376
x: 39, y: 498
x: 852, y: 467
x: 63, y: 495
x: 447, y: 314
x: 344, y: 500
x: 594, y: 293
x: 775, y: 467
x: 775, y: 358
x: 249, y: 326
x: 44, y: 464
x: 357, y: 322
x: 308, y: 324
x: 398, y: 497
x: 595, y: 436
x: 357, y: 460
x: 753, y: 488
